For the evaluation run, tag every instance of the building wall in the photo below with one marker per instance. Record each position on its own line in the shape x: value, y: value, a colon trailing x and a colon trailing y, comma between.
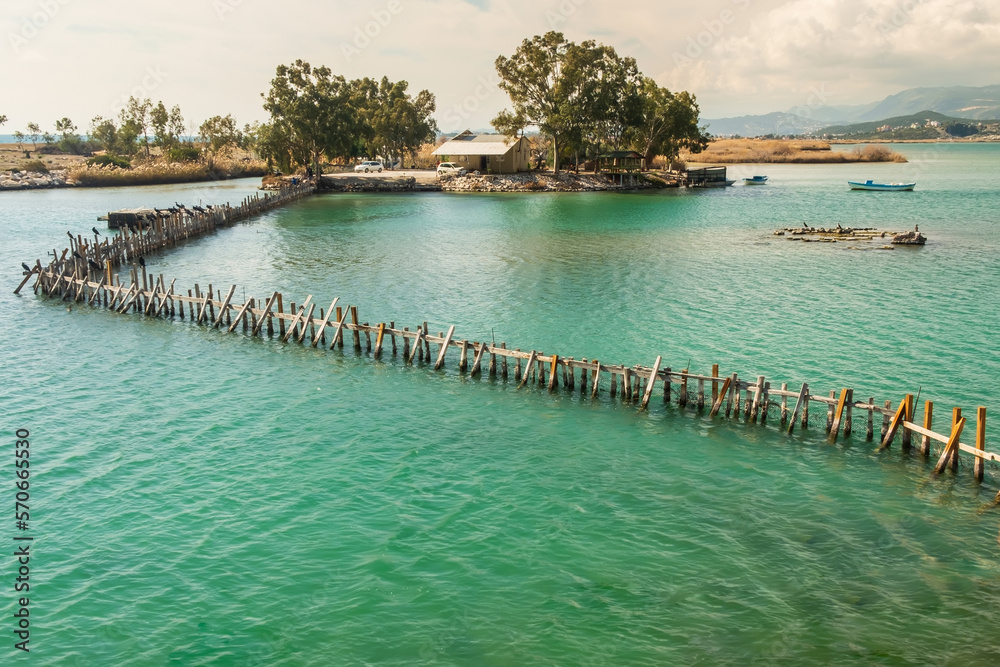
x: 514, y: 160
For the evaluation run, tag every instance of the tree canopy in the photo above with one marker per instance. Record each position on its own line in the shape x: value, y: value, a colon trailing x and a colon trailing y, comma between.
x: 587, y: 97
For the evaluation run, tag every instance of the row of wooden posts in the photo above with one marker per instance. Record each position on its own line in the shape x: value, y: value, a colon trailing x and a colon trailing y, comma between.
x: 167, y: 228
x: 729, y: 395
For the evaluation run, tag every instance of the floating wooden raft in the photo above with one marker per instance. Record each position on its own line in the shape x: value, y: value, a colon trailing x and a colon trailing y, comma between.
x: 753, y: 400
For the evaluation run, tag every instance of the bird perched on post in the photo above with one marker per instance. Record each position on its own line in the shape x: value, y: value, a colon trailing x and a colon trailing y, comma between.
x: 94, y: 229
x: 26, y: 267
x: 142, y: 262
x: 94, y: 264
x: 70, y: 235
x: 77, y: 255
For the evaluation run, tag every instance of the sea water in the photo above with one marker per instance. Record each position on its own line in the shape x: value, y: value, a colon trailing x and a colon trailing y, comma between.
x: 203, y: 498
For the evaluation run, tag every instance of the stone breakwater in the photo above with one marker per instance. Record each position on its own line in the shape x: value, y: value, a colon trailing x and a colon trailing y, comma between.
x: 34, y: 180
x: 563, y: 182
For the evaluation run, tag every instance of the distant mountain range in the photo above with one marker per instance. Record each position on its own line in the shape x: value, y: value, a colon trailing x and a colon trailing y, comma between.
x: 957, y: 101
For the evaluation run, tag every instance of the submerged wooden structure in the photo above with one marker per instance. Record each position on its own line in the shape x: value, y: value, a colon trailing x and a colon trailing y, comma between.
x: 83, y: 274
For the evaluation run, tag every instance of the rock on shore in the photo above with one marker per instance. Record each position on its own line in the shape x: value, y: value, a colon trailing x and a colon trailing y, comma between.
x: 544, y: 182
x: 33, y: 180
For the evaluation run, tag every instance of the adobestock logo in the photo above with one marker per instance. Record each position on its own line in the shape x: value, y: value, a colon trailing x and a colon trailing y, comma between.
x: 32, y: 25
x: 363, y: 35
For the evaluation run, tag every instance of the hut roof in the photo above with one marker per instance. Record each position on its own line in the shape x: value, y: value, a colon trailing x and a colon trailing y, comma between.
x: 468, y: 143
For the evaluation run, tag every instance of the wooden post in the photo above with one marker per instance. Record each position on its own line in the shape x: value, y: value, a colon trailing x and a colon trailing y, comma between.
x: 683, y: 398
x: 908, y: 417
x: 444, y: 348
x: 281, y: 320
x: 849, y: 415
x: 527, y: 372
x: 784, y: 404
x: 666, y: 385
x: 951, y: 449
x: 463, y: 357
x: 885, y: 421
x: 800, y: 403
x: 980, y: 464
x: 416, y: 344
x: 925, y: 441
x: 829, y: 412
x: 503, y: 363
x: 406, y: 344
x: 765, y: 402
x: 493, y: 363
x: 613, y: 391
x: 554, y: 373
x: 517, y: 369
x: 596, y: 379
x: 701, y: 394
x: 295, y: 320
x: 732, y: 395
x: 427, y: 344
x: 838, y: 415
x: 378, y: 340
x: 720, y: 397
x: 392, y: 337
x: 956, y: 416
x: 897, y: 420
x: 758, y: 395
x: 265, y: 315
x: 326, y: 320
x: 357, y: 332
x: 239, y: 316
x: 715, y: 383
x: 649, y: 386
x: 477, y: 362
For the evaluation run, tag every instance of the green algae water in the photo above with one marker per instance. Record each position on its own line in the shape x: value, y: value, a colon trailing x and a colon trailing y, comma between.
x: 201, y: 498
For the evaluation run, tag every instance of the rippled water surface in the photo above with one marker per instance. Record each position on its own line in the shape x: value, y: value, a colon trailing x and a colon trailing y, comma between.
x: 201, y: 498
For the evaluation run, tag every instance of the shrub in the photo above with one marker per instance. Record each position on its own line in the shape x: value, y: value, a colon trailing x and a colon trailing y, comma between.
x: 112, y: 160
x: 183, y: 154
x: 35, y: 165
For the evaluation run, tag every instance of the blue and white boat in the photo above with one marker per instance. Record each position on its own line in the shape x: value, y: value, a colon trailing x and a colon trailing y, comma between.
x: 755, y: 180
x: 882, y: 187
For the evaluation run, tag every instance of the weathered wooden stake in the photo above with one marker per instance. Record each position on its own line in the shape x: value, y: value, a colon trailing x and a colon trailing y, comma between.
x: 951, y: 449
x: 925, y: 441
x: 649, y: 385
x: 444, y: 348
x: 979, y: 467
x: 800, y: 403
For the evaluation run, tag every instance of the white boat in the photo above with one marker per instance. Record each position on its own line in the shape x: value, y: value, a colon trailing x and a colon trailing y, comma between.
x: 755, y: 180
x: 882, y: 187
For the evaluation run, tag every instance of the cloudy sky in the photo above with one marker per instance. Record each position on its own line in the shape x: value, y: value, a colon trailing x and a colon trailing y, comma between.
x: 82, y: 58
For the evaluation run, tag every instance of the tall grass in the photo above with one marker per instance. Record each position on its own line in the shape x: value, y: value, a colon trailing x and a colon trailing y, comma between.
x: 163, y: 173
x: 733, y: 151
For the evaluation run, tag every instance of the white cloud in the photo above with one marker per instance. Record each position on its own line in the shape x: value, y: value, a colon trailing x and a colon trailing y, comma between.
x: 736, y: 55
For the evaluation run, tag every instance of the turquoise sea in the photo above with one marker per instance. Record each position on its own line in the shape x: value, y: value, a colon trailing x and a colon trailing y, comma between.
x: 208, y: 499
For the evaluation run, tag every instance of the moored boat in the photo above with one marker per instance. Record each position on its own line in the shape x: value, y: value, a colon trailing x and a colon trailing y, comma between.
x: 755, y: 180
x: 882, y: 187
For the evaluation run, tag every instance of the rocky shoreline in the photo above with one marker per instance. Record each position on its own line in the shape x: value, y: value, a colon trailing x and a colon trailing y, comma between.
x: 35, y: 180
x: 544, y: 182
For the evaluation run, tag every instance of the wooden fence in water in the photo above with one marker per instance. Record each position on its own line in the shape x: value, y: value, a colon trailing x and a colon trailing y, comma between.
x: 161, y: 230
x: 755, y: 401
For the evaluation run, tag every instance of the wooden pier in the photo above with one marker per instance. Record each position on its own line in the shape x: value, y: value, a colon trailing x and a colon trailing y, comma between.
x: 752, y: 400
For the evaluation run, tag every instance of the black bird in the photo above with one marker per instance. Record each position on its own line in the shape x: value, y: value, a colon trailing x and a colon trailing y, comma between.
x: 94, y: 264
x: 94, y: 229
x: 142, y: 262
x: 198, y: 208
x: 77, y: 255
x: 172, y: 209
x: 178, y: 205
x: 70, y: 235
x: 26, y: 267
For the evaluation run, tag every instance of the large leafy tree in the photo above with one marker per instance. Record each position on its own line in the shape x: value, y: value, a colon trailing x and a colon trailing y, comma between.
x: 310, y: 110
x: 70, y: 142
x: 576, y: 94
x: 669, y: 123
x: 136, y: 114
x: 168, y: 126
x: 34, y: 134
x: 394, y: 123
x: 221, y: 134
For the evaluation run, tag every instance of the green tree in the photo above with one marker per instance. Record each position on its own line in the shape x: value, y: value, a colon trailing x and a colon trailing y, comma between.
x: 19, y: 138
x: 310, y: 112
x: 669, y: 123
x: 167, y: 126
x: 34, y: 133
x: 136, y: 115
x: 393, y: 122
x: 573, y: 93
x: 220, y: 134
x: 3, y: 119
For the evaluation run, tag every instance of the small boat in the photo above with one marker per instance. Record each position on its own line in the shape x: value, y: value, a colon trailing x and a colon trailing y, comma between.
x: 755, y: 180
x: 882, y: 187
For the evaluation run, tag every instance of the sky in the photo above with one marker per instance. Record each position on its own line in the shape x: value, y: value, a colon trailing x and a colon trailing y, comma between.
x: 84, y: 58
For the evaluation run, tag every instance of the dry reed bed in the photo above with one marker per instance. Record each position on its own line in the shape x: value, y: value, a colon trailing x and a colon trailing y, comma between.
x: 165, y: 173
x: 733, y: 151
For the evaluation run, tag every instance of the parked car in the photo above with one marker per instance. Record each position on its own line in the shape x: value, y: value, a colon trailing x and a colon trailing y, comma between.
x: 369, y: 165
x: 451, y: 168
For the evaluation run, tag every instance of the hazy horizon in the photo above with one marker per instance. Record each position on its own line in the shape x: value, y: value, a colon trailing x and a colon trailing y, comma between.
x: 739, y: 57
